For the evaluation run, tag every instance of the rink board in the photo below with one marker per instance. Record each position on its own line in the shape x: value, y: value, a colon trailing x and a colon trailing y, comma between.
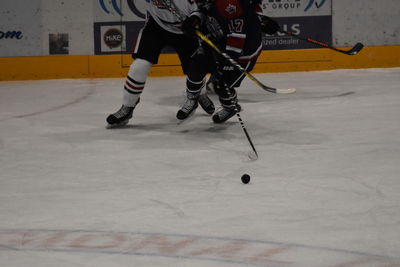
x: 103, y: 66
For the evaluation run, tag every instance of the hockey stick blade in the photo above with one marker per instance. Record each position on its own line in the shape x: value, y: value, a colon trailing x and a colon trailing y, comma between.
x: 285, y: 90
x: 357, y: 48
x: 277, y: 90
x: 252, y: 155
x: 282, y: 91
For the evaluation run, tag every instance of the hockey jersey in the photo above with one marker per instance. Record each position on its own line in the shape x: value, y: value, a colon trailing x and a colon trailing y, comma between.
x: 167, y: 19
x: 240, y: 27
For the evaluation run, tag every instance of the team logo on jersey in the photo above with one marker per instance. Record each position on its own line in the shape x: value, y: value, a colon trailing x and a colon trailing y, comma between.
x: 230, y: 9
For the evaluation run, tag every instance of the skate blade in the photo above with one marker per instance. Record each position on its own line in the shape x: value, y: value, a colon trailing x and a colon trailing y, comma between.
x: 117, y: 125
x: 188, y: 119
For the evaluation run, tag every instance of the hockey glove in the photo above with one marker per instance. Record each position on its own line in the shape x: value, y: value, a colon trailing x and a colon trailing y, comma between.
x: 190, y: 25
x: 269, y: 25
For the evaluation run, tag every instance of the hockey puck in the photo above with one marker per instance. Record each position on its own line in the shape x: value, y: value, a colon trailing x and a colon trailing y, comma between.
x: 245, y: 178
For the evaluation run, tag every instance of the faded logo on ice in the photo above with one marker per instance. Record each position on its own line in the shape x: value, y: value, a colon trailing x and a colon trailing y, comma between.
x: 185, y: 247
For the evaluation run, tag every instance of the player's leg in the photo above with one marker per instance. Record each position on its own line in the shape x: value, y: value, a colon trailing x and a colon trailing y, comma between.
x: 195, y: 82
x: 134, y: 84
x: 187, y: 48
x: 146, y: 52
x: 225, y: 89
x: 229, y: 106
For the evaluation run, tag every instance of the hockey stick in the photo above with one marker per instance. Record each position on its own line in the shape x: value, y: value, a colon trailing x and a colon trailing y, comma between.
x: 353, y: 51
x: 172, y: 8
x: 253, y: 155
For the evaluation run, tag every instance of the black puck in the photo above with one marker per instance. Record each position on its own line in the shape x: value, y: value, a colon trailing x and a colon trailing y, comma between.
x: 245, y: 178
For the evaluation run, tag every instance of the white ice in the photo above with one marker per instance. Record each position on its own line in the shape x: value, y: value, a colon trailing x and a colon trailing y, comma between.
x: 325, y: 190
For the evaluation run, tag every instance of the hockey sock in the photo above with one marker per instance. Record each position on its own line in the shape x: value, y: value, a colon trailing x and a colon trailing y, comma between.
x: 193, y: 88
x: 227, y: 95
x: 135, y: 82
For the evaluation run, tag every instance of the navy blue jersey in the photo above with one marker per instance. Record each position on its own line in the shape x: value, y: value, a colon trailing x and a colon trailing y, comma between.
x: 235, y: 26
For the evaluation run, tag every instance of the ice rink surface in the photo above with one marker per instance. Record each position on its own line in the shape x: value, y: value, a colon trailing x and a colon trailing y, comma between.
x: 324, y: 192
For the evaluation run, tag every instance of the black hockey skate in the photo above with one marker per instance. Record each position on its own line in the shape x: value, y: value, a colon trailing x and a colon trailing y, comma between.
x: 206, y: 103
x: 188, y: 108
x: 120, y: 118
x: 225, y: 114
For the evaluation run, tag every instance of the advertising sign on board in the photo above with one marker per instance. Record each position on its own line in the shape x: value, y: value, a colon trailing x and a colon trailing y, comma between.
x: 311, y: 18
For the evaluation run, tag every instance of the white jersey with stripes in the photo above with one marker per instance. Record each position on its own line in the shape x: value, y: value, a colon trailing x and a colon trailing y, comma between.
x: 167, y: 19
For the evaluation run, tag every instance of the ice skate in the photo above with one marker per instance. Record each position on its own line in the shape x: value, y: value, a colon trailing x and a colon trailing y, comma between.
x: 206, y: 103
x: 188, y: 108
x: 120, y: 118
x: 225, y: 114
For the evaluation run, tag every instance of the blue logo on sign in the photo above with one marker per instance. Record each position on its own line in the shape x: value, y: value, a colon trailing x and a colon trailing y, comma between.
x: 11, y: 35
x: 131, y: 4
x: 318, y: 5
x: 114, y: 4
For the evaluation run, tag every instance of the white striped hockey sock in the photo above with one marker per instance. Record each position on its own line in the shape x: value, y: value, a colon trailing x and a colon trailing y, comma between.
x: 135, y: 82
